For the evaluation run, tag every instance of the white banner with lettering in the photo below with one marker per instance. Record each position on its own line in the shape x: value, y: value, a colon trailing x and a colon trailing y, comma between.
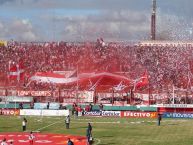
x: 33, y: 112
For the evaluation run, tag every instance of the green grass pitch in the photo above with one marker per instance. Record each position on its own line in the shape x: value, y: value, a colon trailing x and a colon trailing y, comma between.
x: 110, y: 131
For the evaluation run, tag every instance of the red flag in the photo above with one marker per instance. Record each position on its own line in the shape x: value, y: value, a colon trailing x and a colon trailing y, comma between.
x: 16, y: 71
x: 142, y: 81
x: 21, y: 70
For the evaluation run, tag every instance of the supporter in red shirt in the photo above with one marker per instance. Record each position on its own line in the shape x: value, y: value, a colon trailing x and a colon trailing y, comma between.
x: 87, y: 108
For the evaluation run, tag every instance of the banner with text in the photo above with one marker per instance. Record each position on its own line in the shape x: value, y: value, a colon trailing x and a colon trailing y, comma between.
x: 10, y: 112
x: 132, y: 114
x: 34, y: 93
x: 111, y: 113
x: 177, y: 115
x: 34, y: 112
x: 103, y: 113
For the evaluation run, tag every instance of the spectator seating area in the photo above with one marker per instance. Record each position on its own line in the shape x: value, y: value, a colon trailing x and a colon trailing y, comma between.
x: 167, y: 66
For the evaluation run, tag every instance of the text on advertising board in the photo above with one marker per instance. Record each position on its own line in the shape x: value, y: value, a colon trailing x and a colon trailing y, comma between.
x: 9, y: 111
x: 93, y: 113
x: 177, y: 115
x: 104, y: 113
x: 139, y: 114
x: 111, y: 113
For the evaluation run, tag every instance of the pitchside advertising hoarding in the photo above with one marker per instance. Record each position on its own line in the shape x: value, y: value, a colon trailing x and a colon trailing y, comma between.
x: 133, y: 114
x: 103, y: 113
x: 177, y: 115
x: 129, y: 114
x: 9, y: 111
x: 34, y: 112
x: 111, y: 113
x: 93, y: 113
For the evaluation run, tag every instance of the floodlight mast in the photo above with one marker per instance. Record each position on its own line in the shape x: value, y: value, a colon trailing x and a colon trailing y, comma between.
x: 153, y: 20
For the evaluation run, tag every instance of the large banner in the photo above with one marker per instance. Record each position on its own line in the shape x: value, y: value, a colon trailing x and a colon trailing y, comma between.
x: 34, y: 93
x: 133, y: 114
x: 9, y: 111
x: 86, y: 96
x: 106, y: 98
x: 80, y: 96
x: 2, y: 92
x: 140, y: 98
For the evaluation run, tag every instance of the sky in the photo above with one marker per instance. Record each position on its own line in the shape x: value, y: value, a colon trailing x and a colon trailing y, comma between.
x: 87, y: 20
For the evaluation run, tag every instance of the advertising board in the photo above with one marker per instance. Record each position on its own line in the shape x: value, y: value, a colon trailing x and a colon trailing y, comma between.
x: 177, y: 115
x: 10, y: 112
x: 33, y: 112
x: 111, y: 113
x: 134, y: 114
x: 104, y: 113
x: 93, y: 113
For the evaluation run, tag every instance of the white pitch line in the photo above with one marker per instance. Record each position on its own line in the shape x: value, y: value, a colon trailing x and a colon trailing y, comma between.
x: 83, y: 119
x: 48, y: 125
x: 118, y: 122
x: 99, y: 141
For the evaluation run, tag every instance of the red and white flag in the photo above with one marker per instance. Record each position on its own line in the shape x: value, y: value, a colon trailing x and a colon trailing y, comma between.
x: 16, y: 71
x: 142, y: 81
x: 50, y: 77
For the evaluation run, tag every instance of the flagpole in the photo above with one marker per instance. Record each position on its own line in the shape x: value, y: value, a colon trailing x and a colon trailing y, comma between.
x: 77, y: 85
x: 149, y: 90
x: 112, y: 97
x: 173, y: 94
x: 18, y: 74
x: 131, y: 95
x: 188, y: 88
x: 9, y: 73
x: 59, y: 92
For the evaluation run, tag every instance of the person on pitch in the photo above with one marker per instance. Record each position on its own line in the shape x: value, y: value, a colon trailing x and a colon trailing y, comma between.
x: 31, y: 138
x: 70, y: 142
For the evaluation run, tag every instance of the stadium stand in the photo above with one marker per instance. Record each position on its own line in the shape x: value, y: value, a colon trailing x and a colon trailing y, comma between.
x: 168, y: 66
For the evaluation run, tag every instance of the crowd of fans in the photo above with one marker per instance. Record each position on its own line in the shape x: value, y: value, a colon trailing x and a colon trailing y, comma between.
x: 167, y: 67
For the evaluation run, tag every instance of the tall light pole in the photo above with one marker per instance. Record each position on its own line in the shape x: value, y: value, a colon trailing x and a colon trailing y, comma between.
x: 77, y: 84
x: 153, y: 20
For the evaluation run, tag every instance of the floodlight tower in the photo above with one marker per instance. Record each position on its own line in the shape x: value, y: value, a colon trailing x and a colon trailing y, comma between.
x: 153, y: 20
